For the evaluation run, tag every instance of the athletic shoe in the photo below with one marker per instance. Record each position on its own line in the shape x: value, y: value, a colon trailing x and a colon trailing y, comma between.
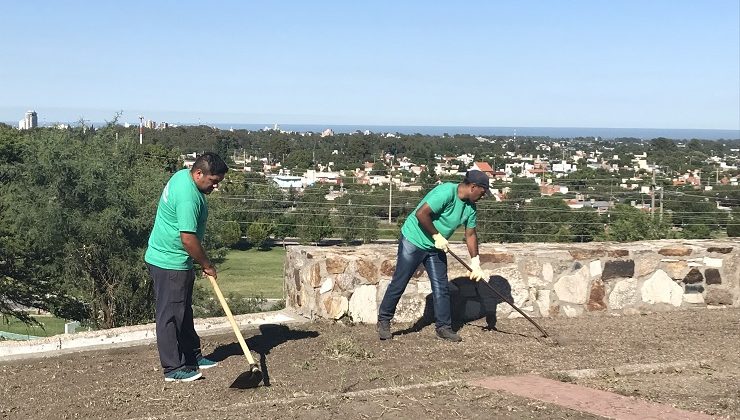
x: 446, y: 333
x: 384, y: 330
x: 182, y: 375
x: 204, y: 363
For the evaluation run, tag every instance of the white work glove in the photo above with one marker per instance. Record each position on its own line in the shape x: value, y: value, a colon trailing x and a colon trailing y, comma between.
x: 440, y: 242
x: 476, y: 273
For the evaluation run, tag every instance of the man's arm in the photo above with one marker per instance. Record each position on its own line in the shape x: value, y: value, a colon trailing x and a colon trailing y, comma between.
x: 424, y: 215
x: 195, y: 250
x: 471, y: 240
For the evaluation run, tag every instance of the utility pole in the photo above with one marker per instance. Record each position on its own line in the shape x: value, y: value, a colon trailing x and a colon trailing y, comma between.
x: 661, y: 204
x: 390, y: 192
x: 716, y: 182
x: 652, y: 195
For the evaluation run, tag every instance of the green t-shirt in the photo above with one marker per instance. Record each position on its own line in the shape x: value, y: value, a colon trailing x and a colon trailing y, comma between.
x: 182, y: 208
x: 448, y: 213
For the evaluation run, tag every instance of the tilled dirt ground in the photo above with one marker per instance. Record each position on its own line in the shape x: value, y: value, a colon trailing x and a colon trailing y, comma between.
x: 688, y: 359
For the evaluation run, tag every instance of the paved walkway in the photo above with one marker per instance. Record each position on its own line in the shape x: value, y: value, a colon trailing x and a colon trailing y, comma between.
x: 588, y: 400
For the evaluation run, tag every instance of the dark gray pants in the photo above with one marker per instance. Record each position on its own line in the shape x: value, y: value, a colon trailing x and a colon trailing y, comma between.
x: 177, y: 341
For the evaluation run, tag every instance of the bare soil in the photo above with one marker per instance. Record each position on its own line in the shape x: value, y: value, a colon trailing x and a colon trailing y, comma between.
x: 688, y: 359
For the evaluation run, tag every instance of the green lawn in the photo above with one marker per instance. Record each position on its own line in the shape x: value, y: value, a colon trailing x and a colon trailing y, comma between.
x: 52, y: 326
x: 251, y: 273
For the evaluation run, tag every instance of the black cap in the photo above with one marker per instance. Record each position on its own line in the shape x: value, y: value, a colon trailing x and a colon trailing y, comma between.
x: 478, y: 178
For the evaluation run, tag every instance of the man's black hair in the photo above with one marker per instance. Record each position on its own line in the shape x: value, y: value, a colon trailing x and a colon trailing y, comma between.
x: 210, y: 164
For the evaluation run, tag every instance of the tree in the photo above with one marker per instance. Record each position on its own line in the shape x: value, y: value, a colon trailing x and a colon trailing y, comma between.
x: 546, y: 220
x: 500, y: 222
x: 258, y: 234
x: 630, y: 224
x: 314, y: 223
x: 88, y: 233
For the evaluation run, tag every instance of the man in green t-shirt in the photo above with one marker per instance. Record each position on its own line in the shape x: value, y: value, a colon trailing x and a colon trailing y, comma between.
x: 423, y: 240
x: 175, y: 242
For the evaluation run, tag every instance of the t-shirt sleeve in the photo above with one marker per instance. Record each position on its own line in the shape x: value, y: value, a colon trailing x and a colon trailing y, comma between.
x: 187, y: 216
x: 472, y: 220
x: 437, y: 200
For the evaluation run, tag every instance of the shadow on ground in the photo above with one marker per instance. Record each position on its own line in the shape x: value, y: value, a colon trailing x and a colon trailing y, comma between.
x: 469, y: 301
x: 271, y: 336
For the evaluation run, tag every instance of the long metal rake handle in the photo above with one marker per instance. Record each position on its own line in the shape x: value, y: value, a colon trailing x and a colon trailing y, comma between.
x: 504, y: 298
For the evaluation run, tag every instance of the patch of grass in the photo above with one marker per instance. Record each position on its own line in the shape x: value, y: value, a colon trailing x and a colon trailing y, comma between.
x: 251, y: 273
x: 346, y: 347
x: 50, y: 325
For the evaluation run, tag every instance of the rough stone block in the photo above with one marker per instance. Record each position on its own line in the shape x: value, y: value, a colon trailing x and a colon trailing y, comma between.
x: 713, y: 262
x: 675, y: 251
x: 496, y: 257
x: 410, y: 308
x: 712, y: 276
x: 623, y: 294
x: 718, y: 296
x: 363, y: 306
x: 334, y: 307
x: 646, y: 264
x: 676, y: 269
x: 573, y: 288
x: 719, y: 249
x: 586, y: 254
x: 315, y: 275
x: 543, y: 302
x: 327, y: 285
x: 367, y: 270
x: 571, y: 311
x: 693, y: 276
x: 694, y: 298
x: 595, y: 268
x: 530, y: 267
x: 596, y: 297
x: 618, y: 269
x: 617, y: 253
x: 693, y: 288
x: 547, y: 272
x: 519, y: 290
x: 336, y: 265
x: 387, y: 268
x: 660, y: 288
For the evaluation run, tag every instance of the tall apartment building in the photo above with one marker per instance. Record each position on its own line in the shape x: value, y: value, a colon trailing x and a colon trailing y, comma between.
x: 30, y: 120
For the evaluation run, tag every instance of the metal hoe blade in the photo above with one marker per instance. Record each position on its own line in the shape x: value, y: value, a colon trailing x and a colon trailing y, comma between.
x: 249, y: 379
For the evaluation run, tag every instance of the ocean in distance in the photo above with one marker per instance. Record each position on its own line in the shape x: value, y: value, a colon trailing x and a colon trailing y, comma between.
x: 434, y: 130
x: 554, y: 132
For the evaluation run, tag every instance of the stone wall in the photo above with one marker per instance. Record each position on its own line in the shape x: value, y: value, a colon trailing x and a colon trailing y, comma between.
x: 546, y: 279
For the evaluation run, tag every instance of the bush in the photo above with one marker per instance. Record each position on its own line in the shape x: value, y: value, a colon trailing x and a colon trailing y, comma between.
x: 206, y: 305
x: 258, y: 234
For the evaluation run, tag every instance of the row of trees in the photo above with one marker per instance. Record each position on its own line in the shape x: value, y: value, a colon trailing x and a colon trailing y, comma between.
x: 77, y: 206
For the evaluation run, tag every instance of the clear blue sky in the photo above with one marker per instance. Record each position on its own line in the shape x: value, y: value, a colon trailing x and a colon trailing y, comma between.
x: 569, y: 63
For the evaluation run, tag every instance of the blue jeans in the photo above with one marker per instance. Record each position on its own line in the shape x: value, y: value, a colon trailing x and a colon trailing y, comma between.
x: 435, y: 263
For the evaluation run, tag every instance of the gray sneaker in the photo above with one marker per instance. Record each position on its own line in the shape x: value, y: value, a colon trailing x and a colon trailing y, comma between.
x: 446, y: 333
x: 384, y: 330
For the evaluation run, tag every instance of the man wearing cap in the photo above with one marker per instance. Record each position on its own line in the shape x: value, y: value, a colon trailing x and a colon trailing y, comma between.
x: 424, y: 241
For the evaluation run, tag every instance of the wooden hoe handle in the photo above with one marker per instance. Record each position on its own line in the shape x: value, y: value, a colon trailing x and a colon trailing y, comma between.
x: 238, y: 333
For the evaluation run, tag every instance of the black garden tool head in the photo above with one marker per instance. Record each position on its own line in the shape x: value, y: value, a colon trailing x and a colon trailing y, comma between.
x: 249, y: 379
